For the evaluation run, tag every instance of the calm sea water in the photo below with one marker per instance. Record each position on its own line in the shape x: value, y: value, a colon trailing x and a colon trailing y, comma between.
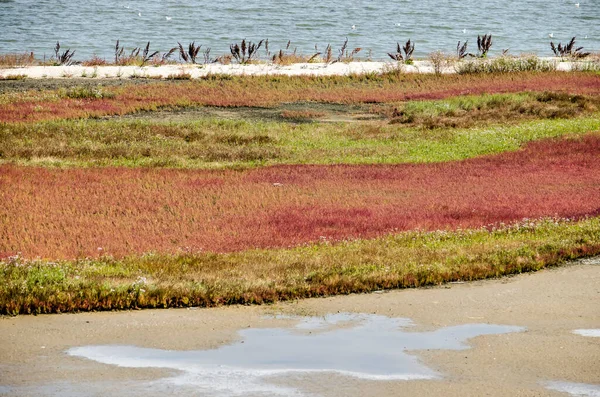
x: 92, y: 26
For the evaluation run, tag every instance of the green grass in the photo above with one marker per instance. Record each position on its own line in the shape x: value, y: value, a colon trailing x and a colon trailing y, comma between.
x: 404, y: 260
x: 213, y: 143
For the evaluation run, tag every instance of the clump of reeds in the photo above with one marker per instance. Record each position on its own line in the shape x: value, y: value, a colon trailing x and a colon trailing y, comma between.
x: 569, y: 50
x: 484, y: 43
x: 408, y: 48
x: 191, y: 54
x: 347, y: 56
x: 63, y: 58
x: 207, y: 57
x: 139, y: 56
x: 245, y: 52
x: 328, y: 54
x: 283, y: 57
x: 461, y: 50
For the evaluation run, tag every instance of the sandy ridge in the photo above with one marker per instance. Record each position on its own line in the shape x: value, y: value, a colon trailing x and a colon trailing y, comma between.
x: 198, y: 71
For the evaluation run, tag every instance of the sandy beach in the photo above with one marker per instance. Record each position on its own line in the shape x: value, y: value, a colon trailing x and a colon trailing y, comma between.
x: 198, y: 71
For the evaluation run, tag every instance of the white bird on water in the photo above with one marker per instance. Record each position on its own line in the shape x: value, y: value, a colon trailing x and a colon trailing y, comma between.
x: 139, y: 14
x: 353, y: 27
x: 577, y: 5
x: 464, y: 31
x: 168, y: 18
x: 551, y: 35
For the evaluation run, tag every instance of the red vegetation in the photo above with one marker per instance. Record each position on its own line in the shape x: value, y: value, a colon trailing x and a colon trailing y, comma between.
x: 265, y: 91
x: 63, y: 213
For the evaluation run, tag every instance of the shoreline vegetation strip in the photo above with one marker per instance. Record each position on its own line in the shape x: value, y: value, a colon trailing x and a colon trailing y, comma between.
x: 70, y: 213
x: 31, y: 105
x: 404, y: 260
x: 239, y: 144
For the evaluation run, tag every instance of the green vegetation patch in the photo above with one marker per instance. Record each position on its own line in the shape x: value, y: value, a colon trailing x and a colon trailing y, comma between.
x: 404, y: 260
x: 218, y: 143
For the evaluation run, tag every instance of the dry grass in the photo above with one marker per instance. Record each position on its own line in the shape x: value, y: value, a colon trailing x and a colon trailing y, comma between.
x: 17, y: 60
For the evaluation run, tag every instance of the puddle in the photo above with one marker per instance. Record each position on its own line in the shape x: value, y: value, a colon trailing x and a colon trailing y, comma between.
x: 575, y: 389
x: 361, y: 346
x: 593, y: 333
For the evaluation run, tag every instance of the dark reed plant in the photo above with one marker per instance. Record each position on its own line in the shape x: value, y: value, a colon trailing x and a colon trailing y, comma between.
x: 267, y: 51
x: 138, y: 55
x: 341, y: 53
x: 328, y: 54
x: 207, y: 57
x: 118, y: 53
x: 244, y: 52
x: 484, y: 43
x: 408, y: 48
x: 190, y: 55
x: 569, y: 50
x: 461, y: 50
x: 165, y: 57
x: 64, y: 58
x: 146, y: 55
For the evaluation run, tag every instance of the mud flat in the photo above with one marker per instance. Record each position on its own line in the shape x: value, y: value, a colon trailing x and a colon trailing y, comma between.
x: 505, y: 337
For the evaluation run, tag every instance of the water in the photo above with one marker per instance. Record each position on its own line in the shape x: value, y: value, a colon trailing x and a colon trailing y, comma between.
x: 575, y: 389
x: 361, y: 346
x: 93, y: 26
x: 592, y: 333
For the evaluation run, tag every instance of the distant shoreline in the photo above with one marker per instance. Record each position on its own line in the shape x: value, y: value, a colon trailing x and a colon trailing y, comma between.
x: 188, y: 71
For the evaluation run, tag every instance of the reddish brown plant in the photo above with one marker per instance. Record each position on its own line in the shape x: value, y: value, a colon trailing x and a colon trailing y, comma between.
x: 66, y: 213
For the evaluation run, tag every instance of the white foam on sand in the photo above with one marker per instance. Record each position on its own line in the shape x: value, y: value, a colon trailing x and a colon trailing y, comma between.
x: 575, y: 389
x: 593, y: 333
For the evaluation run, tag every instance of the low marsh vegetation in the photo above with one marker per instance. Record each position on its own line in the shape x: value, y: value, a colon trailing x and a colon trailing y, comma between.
x: 263, y: 91
x: 204, y: 144
x: 403, y: 260
x: 67, y: 213
x: 468, y: 111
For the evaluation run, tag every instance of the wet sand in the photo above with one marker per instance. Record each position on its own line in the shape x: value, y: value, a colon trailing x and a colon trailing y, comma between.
x: 551, y: 304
